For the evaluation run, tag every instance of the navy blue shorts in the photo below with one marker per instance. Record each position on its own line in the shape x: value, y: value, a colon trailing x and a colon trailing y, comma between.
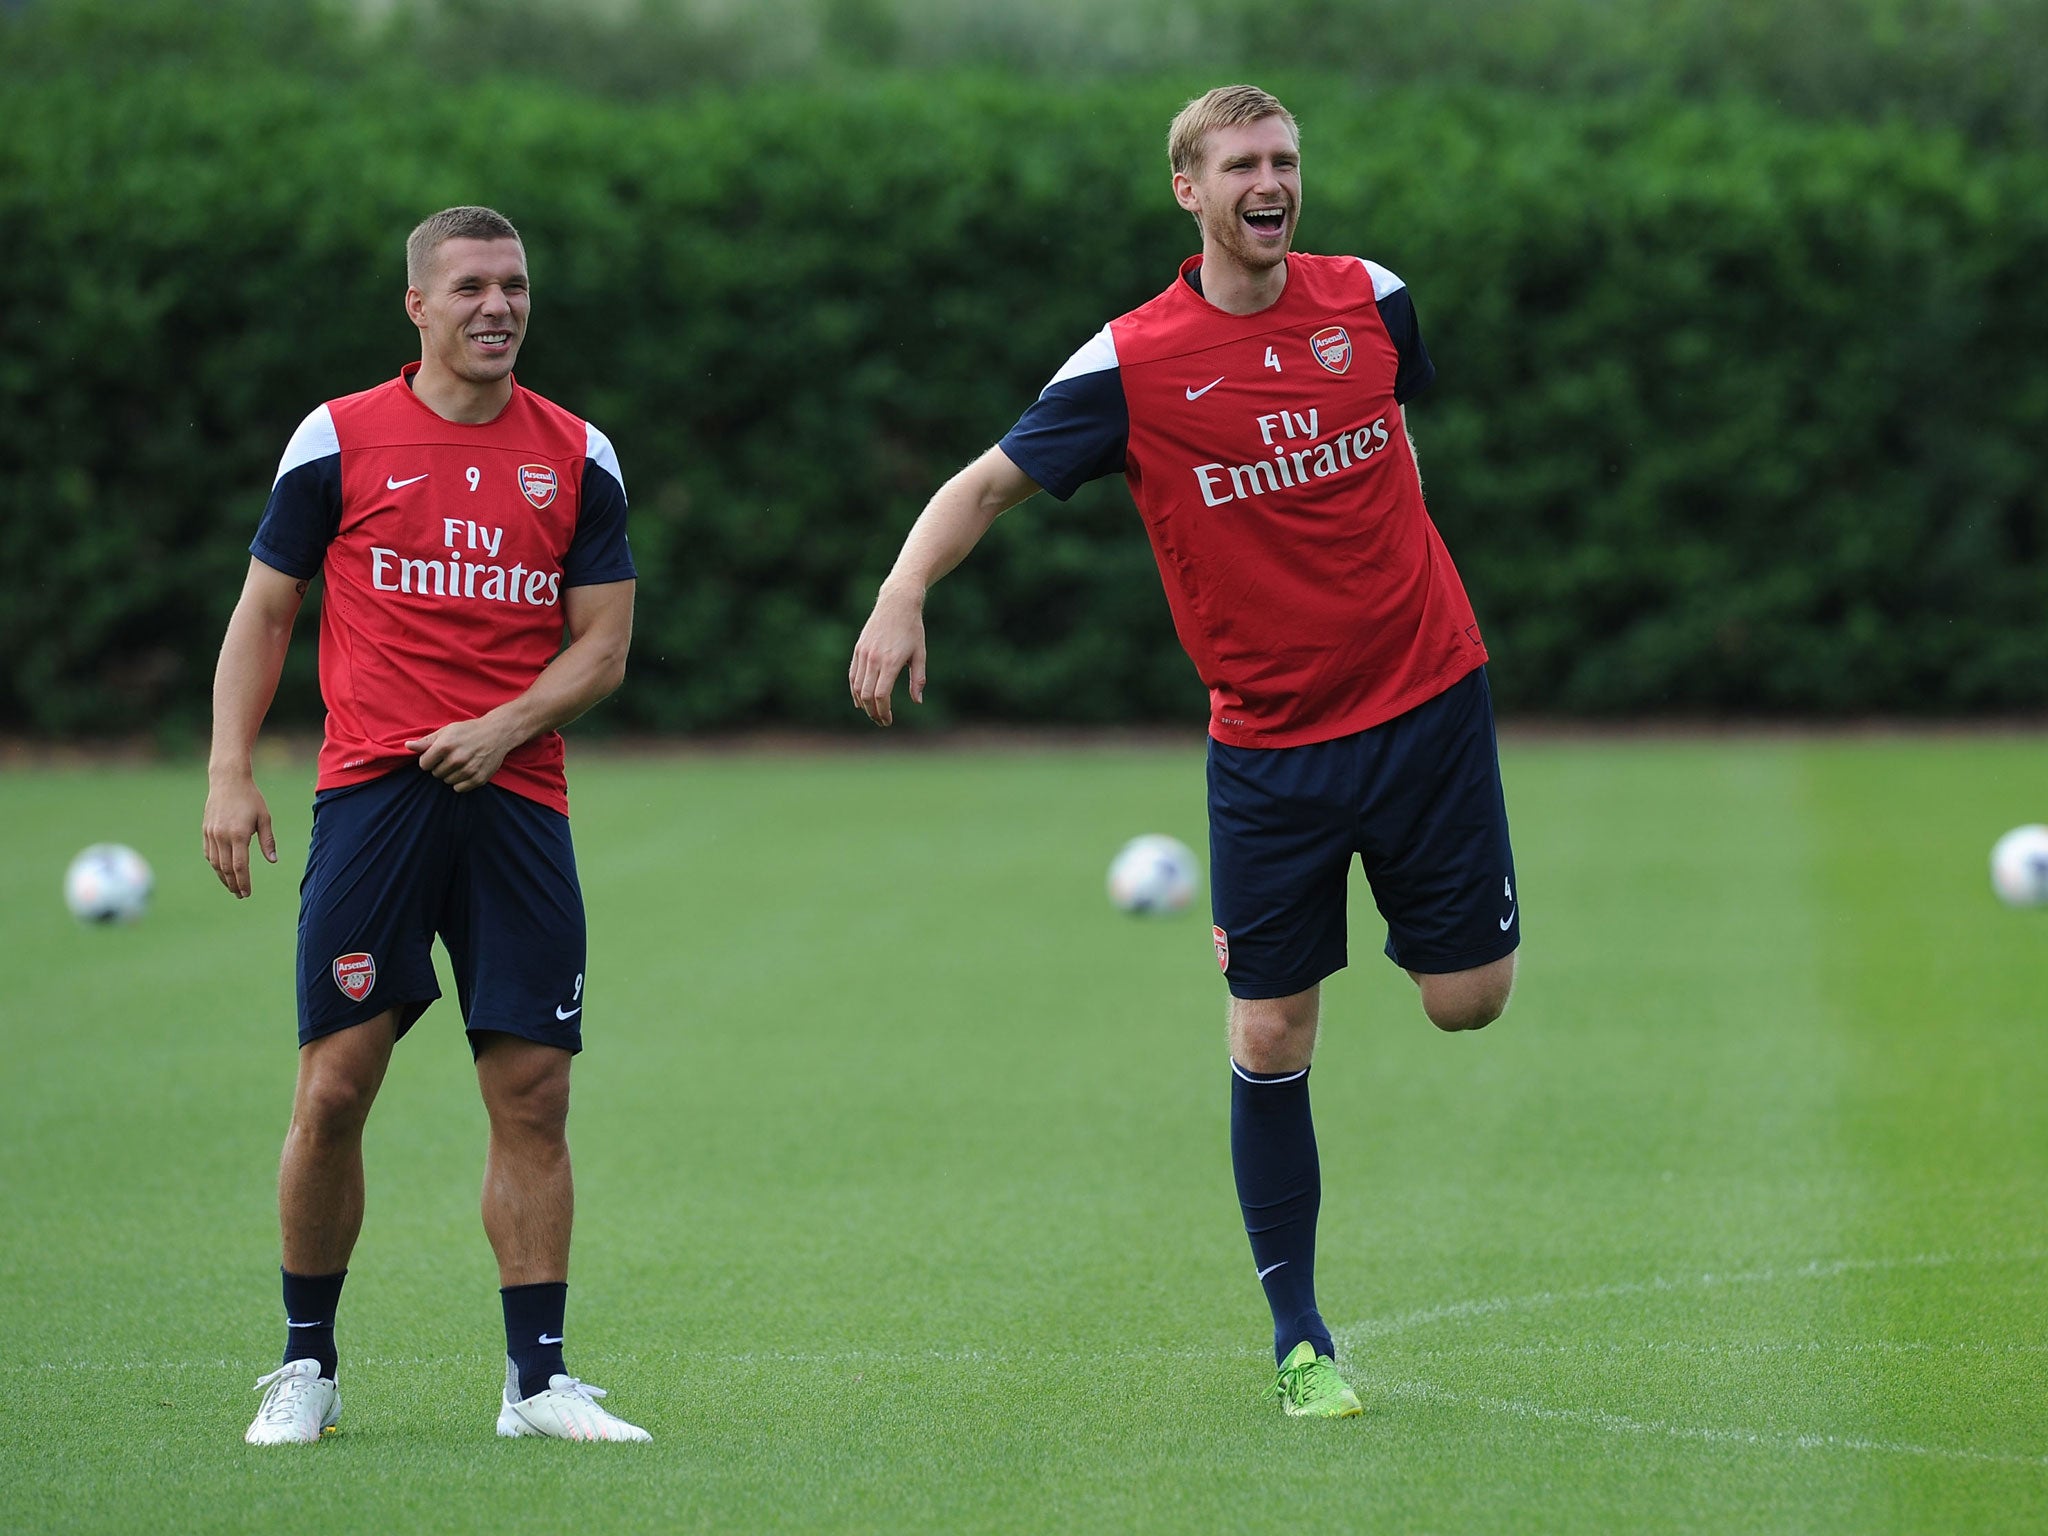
x: 1418, y: 799
x: 397, y: 860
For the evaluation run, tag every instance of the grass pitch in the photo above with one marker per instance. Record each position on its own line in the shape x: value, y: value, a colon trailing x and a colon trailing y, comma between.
x: 904, y: 1193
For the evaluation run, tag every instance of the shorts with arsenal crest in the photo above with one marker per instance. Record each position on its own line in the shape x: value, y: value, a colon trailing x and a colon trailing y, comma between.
x: 397, y: 861
x: 1416, y: 800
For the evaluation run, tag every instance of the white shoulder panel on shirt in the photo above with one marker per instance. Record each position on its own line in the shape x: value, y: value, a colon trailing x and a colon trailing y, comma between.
x: 1097, y: 353
x: 315, y: 439
x: 1383, y: 281
x: 598, y: 447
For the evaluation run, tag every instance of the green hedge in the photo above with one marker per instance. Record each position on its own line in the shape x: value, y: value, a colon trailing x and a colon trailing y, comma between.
x: 1733, y: 413
x: 1975, y: 66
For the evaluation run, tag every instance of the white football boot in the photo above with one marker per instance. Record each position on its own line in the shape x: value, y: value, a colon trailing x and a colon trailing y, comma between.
x: 300, y: 1406
x: 567, y: 1410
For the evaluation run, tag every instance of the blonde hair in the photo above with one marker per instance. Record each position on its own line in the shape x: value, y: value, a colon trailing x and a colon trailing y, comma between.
x: 467, y: 222
x: 1228, y: 106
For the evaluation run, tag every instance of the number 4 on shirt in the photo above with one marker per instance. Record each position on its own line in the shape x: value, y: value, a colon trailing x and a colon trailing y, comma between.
x: 1272, y: 360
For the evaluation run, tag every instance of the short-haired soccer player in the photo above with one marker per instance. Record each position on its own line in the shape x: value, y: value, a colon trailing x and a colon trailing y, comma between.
x: 463, y: 525
x: 1256, y: 410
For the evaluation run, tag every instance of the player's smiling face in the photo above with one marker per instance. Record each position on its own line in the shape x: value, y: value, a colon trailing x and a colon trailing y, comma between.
x: 472, y: 309
x: 1248, y: 194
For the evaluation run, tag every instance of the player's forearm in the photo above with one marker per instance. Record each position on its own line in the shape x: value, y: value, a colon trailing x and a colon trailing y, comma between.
x: 588, y: 671
x: 245, y: 683
x: 951, y: 524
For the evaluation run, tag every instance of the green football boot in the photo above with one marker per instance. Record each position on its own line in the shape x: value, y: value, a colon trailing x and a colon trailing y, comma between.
x: 1309, y: 1386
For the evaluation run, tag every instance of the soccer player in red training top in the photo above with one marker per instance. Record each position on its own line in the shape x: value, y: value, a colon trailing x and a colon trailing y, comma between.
x: 462, y: 525
x: 1255, y: 409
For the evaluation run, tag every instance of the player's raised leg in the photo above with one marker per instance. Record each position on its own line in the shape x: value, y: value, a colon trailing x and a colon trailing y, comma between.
x: 529, y: 1206
x: 1279, y: 1189
x: 320, y: 1210
x: 1440, y: 858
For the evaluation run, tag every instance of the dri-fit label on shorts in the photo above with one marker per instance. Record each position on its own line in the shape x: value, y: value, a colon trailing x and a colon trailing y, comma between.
x: 356, y: 974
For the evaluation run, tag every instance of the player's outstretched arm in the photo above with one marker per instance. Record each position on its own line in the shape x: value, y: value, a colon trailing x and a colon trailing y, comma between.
x: 244, y: 683
x: 951, y: 524
x: 466, y: 753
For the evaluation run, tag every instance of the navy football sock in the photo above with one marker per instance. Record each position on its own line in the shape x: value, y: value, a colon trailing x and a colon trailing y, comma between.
x: 309, y: 1306
x: 533, y: 1332
x: 1280, y: 1190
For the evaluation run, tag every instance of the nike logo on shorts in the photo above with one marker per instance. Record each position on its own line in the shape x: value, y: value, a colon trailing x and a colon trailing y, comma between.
x: 570, y: 1013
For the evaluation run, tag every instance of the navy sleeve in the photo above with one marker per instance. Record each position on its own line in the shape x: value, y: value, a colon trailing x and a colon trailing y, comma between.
x: 1415, y: 371
x: 304, y: 511
x: 598, y: 552
x: 1079, y: 429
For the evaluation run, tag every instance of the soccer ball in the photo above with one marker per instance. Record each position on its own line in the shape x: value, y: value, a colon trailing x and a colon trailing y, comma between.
x: 108, y: 883
x: 2019, y: 867
x: 1153, y: 874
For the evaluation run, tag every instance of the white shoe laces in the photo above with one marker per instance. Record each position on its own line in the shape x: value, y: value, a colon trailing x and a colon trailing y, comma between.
x: 287, y: 1387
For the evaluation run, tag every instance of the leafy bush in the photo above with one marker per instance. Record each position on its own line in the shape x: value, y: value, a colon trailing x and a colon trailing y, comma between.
x: 1979, y: 67
x: 1733, y: 412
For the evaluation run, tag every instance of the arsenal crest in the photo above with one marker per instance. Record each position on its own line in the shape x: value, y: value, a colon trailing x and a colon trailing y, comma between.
x: 1332, y: 348
x: 355, y: 975
x: 539, y: 484
x: 1222, y: 948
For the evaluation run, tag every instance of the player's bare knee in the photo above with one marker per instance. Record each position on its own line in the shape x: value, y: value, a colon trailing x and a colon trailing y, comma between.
x: 1267, y: 1046
x: 332, y: 1105
x: 1455, y: 1010
x: 545, y: 1116
x: 1273, y: 1034
x: 1465, y: 1000
x: 534, y: 1110
x: 1455, y: 1018
x: 529, y: 1100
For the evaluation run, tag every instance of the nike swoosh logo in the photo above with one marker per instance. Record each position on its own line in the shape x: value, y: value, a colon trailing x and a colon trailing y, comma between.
x: 1270, y: 1268
x: 579, y: 1007
x: 399, y: 485
x: 290, y: 1324
x: 1506, y: 920
x: 1196, y: 394
x: 555, y: 1340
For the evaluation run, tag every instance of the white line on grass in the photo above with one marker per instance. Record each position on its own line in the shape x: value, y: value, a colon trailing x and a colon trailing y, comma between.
x: 1619, y: 1423
x: 1984, y: 1347
x: 1817, y: 1269
x: 1616, y: 1423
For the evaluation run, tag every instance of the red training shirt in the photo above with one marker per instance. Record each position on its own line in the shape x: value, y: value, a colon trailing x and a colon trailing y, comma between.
x: 1267, y: 457
x: 446, y: 547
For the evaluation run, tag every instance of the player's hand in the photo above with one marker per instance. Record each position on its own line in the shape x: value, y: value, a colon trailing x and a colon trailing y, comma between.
x: 463, y: 755
x: 892, y: 638
x: 236, y: 812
